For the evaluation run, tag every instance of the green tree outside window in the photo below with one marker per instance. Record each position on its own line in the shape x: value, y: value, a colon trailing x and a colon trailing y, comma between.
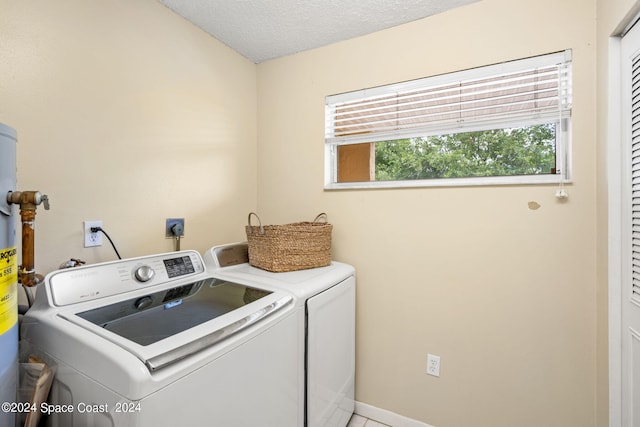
x: 527, y: 150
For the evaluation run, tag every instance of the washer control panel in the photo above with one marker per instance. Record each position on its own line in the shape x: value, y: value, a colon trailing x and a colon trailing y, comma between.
x: 91, y: 282
x: 179, y: 266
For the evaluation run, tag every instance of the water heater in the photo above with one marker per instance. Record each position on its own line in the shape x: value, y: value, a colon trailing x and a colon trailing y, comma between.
x: 8, y: 276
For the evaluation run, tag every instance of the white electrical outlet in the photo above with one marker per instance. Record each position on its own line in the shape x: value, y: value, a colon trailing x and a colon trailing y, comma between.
x: 92, y: 238
x: 433, y: 365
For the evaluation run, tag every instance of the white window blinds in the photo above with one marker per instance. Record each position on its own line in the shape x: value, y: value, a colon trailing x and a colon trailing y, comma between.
x: 533, y: 90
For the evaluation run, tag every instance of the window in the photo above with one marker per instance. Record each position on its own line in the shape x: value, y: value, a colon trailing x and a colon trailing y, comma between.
x: 506, y: 123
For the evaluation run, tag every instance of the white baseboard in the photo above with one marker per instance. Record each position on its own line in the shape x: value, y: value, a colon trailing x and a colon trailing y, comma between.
x: 386, y: 417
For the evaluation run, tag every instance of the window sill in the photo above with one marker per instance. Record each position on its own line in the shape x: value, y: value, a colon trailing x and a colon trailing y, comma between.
x: 450, y: 182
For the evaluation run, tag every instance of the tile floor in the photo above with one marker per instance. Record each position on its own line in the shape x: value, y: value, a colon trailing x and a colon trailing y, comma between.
x: 360, y: 421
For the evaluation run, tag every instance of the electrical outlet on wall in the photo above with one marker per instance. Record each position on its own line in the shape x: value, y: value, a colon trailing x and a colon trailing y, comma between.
x: 92, y: 238
x: 433, y: 365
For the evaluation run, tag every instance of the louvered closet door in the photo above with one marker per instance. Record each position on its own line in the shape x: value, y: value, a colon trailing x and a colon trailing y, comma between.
x: 635, y: 177
x: 631, y: 230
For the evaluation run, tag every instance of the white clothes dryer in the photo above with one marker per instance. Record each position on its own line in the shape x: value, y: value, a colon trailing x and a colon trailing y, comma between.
x: 325, y: 301
x: 159, y: 341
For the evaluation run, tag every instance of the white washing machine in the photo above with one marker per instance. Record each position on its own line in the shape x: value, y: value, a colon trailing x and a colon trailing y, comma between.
x: 325, y: 301
x: 158, y: 341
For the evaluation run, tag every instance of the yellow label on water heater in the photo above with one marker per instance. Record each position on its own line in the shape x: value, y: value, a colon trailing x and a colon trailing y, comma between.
x: 8, y: 288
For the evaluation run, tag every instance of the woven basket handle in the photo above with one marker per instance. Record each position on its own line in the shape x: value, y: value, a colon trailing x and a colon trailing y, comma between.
x: 259, y: 222
x: 321, y: 216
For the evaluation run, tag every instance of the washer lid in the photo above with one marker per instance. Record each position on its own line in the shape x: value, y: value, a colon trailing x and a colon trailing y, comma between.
x: 166, y: 326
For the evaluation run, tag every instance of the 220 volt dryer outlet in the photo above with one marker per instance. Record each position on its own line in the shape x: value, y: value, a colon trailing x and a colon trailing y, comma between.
x: 92, y: 238
x: 174, y: 228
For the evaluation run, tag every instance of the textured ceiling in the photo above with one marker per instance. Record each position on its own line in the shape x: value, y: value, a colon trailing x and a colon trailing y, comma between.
x: 266, y: 29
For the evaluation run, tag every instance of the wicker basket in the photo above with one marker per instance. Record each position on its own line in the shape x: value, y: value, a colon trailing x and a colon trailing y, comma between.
x: 290, y: 247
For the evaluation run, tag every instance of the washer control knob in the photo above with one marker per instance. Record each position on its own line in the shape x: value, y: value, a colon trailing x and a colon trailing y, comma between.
x: 143, y: 303
x: 144, y: 273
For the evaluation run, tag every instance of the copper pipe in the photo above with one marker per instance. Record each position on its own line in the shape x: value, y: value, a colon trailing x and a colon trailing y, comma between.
x: 28, y: 201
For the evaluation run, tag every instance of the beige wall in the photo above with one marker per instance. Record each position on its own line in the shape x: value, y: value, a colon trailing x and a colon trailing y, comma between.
x: 505, y: 295
x: 128, y: 114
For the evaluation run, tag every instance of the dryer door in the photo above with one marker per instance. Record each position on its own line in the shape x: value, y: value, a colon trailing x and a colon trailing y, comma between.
x: 331, y: 355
